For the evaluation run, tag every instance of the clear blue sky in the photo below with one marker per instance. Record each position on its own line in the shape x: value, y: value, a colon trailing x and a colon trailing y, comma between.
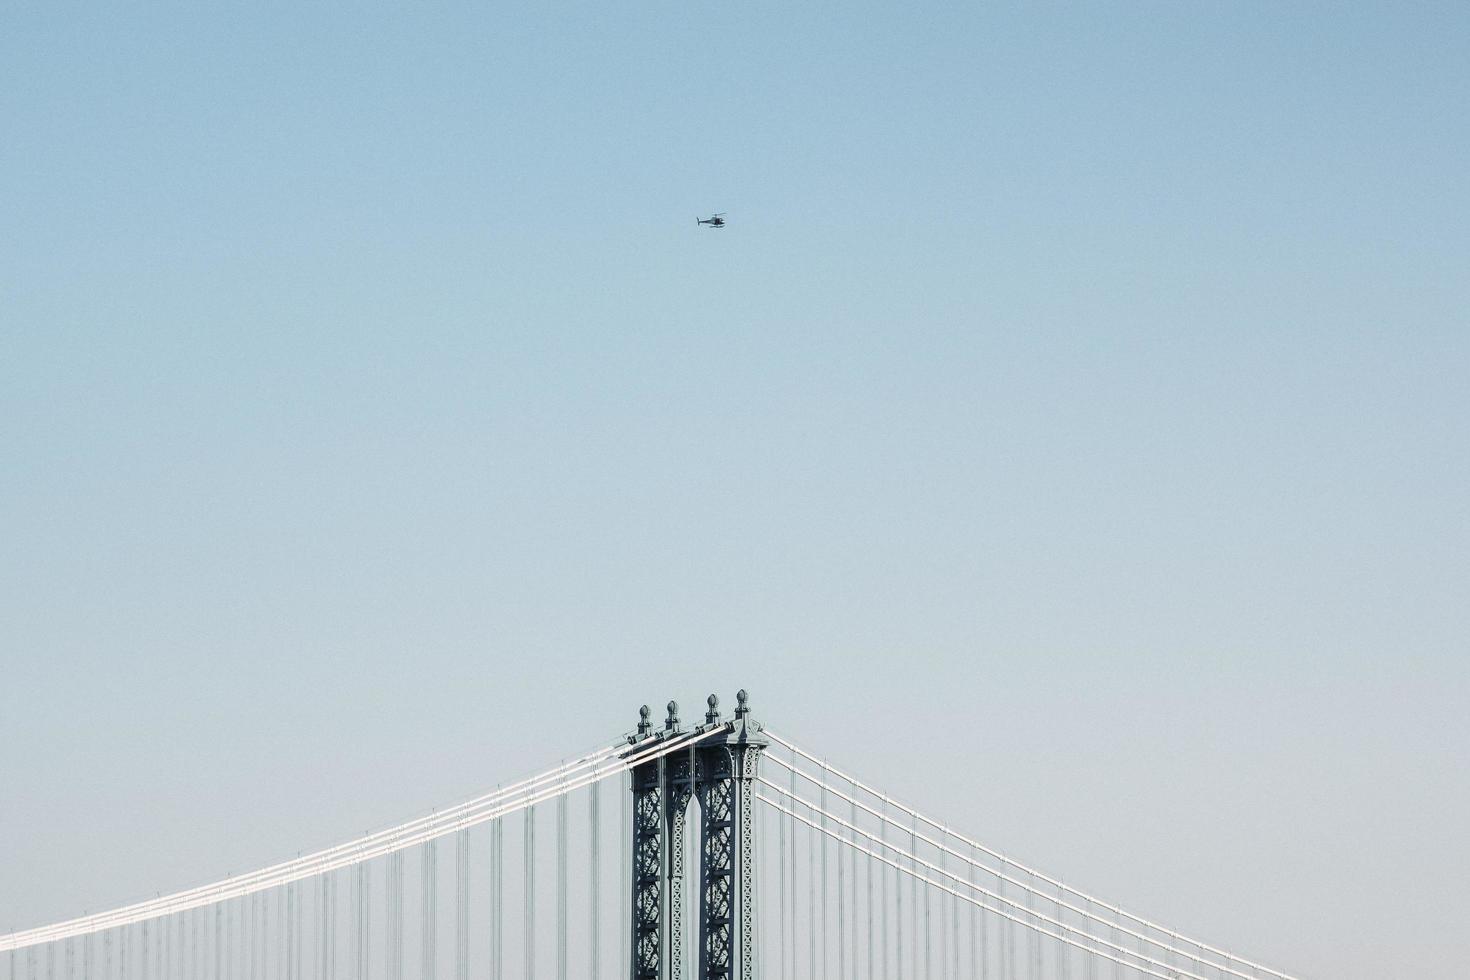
x: 1090, y: 384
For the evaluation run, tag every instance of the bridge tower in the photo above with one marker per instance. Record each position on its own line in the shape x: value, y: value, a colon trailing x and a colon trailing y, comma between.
x: 718, y: 768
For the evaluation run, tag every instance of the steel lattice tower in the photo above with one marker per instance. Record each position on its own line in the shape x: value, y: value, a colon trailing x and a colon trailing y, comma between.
x: 719, y: 770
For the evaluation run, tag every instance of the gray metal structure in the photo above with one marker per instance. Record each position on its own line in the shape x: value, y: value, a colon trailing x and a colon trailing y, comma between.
x: 718, y: 770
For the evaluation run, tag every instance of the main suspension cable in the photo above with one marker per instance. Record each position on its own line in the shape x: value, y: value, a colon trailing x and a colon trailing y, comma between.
x: 826, y: 768
x: 924, y: 879
x: 1029, y: 910
x: 584, y: 771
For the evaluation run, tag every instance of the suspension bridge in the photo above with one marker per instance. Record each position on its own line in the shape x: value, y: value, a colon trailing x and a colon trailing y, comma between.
x: 716, y: 850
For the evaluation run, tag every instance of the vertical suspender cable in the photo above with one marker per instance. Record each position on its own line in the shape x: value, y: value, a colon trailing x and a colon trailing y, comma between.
x: 270, y: 928
x: 978, y: 949
x: 561, y: 887
x: 898, y: 919
x: 913, y: 910
x: 954, y: 938
x: 867, y: 903
x: 331, y: 924
x: 429, y: 934
x: 928, y: 931
x: 1064, y: 964
x: 1005, y: 925
x: 293, y: 944
x: 353, y: 906
x: 1033, y: 947
x: 462, y: 908
x: 367, y: 923
x: 289, y: 972
x: 883, y: 903
x: 811, y: 903
x: 841, y: 912
x: 791, y: 913
x: 952, y: 968
x: 594, y: 881
x: 399, y: 951
x: 400, y: 915
x: 943, y: 919
x: 824, y: 874
x: 364, y: 924
x: 852, y: 876
x: 497, y: 894
x: 1089, y: 962
x: 321, y: 928
x: 394, y: 912
x: 781, y: 822
x: 528, y: 889
x: 1037, y: 950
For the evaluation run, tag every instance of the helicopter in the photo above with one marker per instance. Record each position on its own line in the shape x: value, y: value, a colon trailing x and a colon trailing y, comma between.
x: 714, y: 220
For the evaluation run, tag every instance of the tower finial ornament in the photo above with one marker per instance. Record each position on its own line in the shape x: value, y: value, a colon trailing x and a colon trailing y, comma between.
x: 742, y: 704
x: 644, y: 725
x: 713, y: 714
x: 672, y: 721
